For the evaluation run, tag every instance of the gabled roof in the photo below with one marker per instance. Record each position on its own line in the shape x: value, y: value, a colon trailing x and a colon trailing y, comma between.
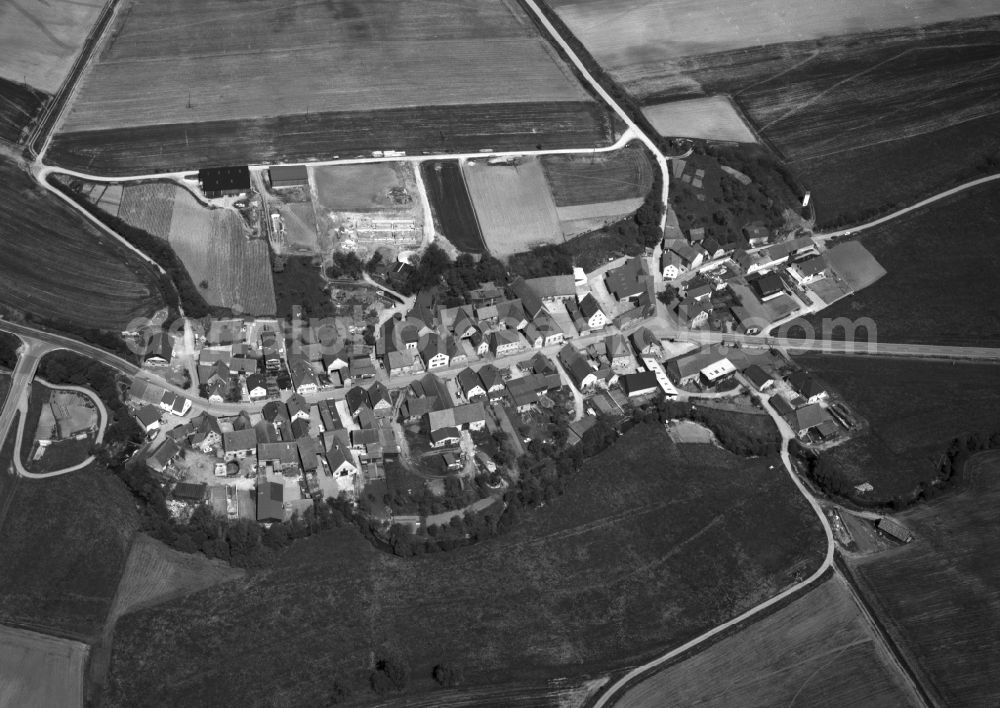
x: 270, y: 501
x: 634, y: 384
x: 432, y: 345
x: 445, y: 433
x: 239, y: 440
x: 265, y: 432
x: 644, y: 337
x: 589, y: 306
x: 356, y: 398
x: 541, y: 364
x: 148, y: 415
x: 504, y: 336
x: 378, y: 393
x: 296, y: 404
x: 273, y: 410
x: 490, y: 376
x: 576, y: 365
x: 757, y: 376
x: 530, y: 300
x: 810, y: 416
x: 805, y: 384
x: 616, y: 345
x: 337, y: 457
x: 468, y: 379
x: 287, y: 453
x: 626, y: 280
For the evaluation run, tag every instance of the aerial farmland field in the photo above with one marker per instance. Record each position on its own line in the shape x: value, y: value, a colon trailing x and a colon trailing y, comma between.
x: 319, y: 62
x: 59, y: 267
x: 710, y: 118
x: 39, y: 670
x: 19, y: 104
x: 614, y: 570
x: 636, y: 40
x: 452, y: 206
x: 939, y: 596
x: 818, y: 651
x: 513, y: 205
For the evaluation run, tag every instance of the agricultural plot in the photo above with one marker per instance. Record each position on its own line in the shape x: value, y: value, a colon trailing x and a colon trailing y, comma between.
x: 575, y: 220
x: 914, y: 409
x: 148, y: 206
x: 81, y: 524
x: 160, y: 69
x: 818, y: 651
x: 59, y: 268
x: 947, y: 249
x: 854, y: 265
x: 230, y: 269
x: 39, y: 41
x: 514, y: 207
x: 866, y: 122
x: 19, y: 106
x: 709, y: 118
x: 939, y: 596
x: 299, y: 138
x: 39, y: 670
x: 452, y: 206
x: 591, y: 582
x: 578, y: 180
x: 637, y: 40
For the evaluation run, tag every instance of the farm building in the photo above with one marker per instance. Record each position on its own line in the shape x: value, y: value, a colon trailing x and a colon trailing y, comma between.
x: 894, y: 530
x: 224, y: 181
x: 288, y: 176
x: 758, y: 377
x: 639, y: 384
x: 807, y: 386
x: 270, y: 501
x: 769, y: 286
x: 190, y: 492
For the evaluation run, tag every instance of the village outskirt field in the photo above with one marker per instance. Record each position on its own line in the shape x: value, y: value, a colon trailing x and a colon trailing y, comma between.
x: 514, y: 207
x: 939, y: 596
x: 230, y: 269
x: 59, y: 267
x: 709, y: 118
x: 158, y: 79
x: 451, y: 205
x: 915, y: 408
x: 596, y: 579
x: 938, y: 289
x: 818, y: 652
x: 40, y: 670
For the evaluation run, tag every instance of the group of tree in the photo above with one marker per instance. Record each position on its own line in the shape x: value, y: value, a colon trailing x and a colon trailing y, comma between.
x: 454, y: 279
x: 9, y: 345
x: 345, y: 264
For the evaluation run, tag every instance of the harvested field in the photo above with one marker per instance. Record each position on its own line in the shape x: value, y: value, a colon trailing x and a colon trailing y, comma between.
x: 81, y: 524
x: 298, y: 138
x: 914, y: 408
x: 361, y: 187
x: 59, y: 267
x: 215, y: 250
x: 854, y: 264
x: 39, y: 41
x: 575, y: 220
x: 157, y: 68
x: 637, y: 39
x: 818, y: 651
x: 155, y: 573
x: 709, y: 118
x: 939, y: 596
x: 578, y: 180
x: 945, y: 248
x: 19, y: 106
x: 39, y: 670
x: 595, y: 580
x: 513, y: 205
x: 452, y: 206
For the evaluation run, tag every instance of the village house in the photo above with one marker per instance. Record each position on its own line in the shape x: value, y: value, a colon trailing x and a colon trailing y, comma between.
x: 335, y: 361
x: 639, y: 384
x: 617, y: 350
x: 580, y: 372
x: 148, y: 418
x: 758, y: 378
x: 687, y: 368
x: 808, y: 271
x: 492, y: 383
x: 270, y: 501
x: 340, y: 462
x: 807, y: 386
x: 646, y: 343
x: 207, y: 433
x: 627, y: 281
x: 379, y: 399
x: 256, y: 387
x: 592, y: 314
x: 279, y: 458
x: 163, y: 455
x: 471, y: 416
x: 433, y: 351
x: 444, y: 436
x: 238, y: 444
x: 693, y: 313
x: 304, y: 379
x: 469, y: 383
x: 158, y: 348
x: 298, y: 408
x: 504, y: 342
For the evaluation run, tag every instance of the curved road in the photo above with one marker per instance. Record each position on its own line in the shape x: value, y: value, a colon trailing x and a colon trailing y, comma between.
x: 611, y: 696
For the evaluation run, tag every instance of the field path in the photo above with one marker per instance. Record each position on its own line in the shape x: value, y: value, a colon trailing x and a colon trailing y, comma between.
x: 610, y: 696
x: 906, y: 210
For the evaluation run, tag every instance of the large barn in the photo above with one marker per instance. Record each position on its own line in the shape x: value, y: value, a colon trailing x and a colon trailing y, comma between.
x: 288, y: 176
x: 224, y: 181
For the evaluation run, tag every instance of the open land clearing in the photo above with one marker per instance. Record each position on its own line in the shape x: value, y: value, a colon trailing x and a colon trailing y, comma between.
x: 854, y: 264
x: 452, y: 206
x: 914, y: 408
x: 939, y: 596
x: 513, y: 205
x: 598, y: 578
x: 162, y: 65
x: 213, y: 244
x: 865, y: 121
x: 635, y: 39
x: 710, y: 118
x: 371, y: 205
x: 39, y: 670
x: 818, y: 651
x: 948, y: 249
x: 81, y: 525
x: 59, y: 267
x: 39, y: 41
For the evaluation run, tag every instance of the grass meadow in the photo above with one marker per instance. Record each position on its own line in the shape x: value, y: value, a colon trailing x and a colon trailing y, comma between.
x: 649, y: 546
x: 914, y: 408
x: 939, y: 596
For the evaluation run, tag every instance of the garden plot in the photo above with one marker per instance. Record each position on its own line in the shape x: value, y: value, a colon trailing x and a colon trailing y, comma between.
x: 513, y: 205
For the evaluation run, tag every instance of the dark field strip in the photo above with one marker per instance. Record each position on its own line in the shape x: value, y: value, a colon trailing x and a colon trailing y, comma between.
x: 181, y: 146
x: 452, y: 205
x: 58, y: 267
x: 19, y: 106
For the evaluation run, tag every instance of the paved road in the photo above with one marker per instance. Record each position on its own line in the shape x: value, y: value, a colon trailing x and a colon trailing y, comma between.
x: 614, y: 693
x: 20, y: 386
x: 906, y: 210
